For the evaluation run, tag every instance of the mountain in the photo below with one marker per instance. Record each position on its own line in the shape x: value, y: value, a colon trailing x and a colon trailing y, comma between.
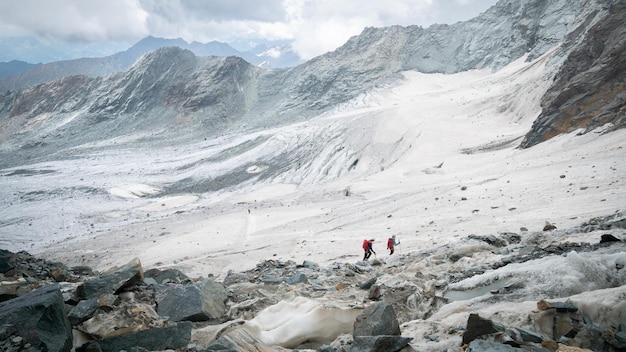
x: 211, y: 165
x: 13, y: 68
x: 214, y: 95
x: 281, y: 56
x: 588, y: 91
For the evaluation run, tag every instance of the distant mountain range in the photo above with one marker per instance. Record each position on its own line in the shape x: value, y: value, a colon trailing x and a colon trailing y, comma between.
x: 175, y: 92
x: 19, y: 74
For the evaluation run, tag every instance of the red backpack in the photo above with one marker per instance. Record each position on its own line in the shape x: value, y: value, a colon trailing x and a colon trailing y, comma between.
x: 365, y: 243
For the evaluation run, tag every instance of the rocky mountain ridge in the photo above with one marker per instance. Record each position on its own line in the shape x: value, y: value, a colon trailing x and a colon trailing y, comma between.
x: 206, y: 96
x: 19, y: 77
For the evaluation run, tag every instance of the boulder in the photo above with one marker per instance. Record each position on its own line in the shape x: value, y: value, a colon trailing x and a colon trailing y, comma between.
x: 125, y: 318
x: 7, y: 261
x: 166, y: 276
x: 381, y: 343
x: 197, y: 302
x: 39, y: 318
x: 377, y: 319
x: 367, y: 284
x: 477, y: 327
x: 296, y: 278
x: 156, y: 339
x: 83, y: 311
x: 113, y: 281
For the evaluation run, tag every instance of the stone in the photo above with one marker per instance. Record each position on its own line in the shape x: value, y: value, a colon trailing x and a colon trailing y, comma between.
x: 82, y: 311
x: 367, y: 284
x: 608, y: 238
x: 377, y: 319
x: 113, y: 281
x: 126, y: 318
x: 490, y: 346
x: 156, y: 339
x: 478, y: 326
x: 39, y: 318
x: 296, y: 278
x: 7, y: 261
x: 529, y: 335
x: 197, y: 302
x: 559, y: 306
x: 380, y: 343
x: 166, y: 276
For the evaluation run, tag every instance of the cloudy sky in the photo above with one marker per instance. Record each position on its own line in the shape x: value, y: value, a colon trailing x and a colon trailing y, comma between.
x: 315, y: 26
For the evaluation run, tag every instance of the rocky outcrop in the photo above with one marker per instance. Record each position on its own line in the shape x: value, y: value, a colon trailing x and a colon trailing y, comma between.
x: 589, y: 91
x: 265, y: 309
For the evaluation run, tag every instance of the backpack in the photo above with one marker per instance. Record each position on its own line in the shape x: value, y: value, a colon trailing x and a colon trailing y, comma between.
x: 366, y: 244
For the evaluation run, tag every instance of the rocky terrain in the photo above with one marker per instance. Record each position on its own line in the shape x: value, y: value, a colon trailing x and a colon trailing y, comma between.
x: 384, y: 304
x: 206, y: 204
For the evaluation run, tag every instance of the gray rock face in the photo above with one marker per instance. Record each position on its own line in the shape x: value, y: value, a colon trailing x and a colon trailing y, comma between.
x: 156, y: 339
x: 477, y: 326
x: 377, y: 319
x: 113, y: 281
x: 39, y: 318
x: 201, y: 302
x: 588, y: 91
x: 172, y: 93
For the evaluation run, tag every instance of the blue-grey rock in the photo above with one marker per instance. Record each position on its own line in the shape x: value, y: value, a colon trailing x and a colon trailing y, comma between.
x: 155, y: 339
x: 478, y: 326
x: 39, y: 318
x: 113, y: 281
x: 377, y: 319
x: 380, y: 343
x: 82, y: 311
x: 296, y: 278
x: 197, y: 302
x: 490, y: 346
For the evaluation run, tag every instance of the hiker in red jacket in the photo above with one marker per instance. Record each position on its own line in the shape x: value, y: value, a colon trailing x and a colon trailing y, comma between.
x: 368, y: 248
x: 391, y: 243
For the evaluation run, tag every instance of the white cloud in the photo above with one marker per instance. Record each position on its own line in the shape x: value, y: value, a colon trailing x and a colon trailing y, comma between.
x: 316, y: 26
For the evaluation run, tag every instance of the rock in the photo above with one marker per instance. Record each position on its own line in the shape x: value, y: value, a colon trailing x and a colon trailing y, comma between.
x: 559, y: 306
x: 166, y: 276
x: 490, y: 346
x: 112, y: 281
x: 377, y: 319
x: 83, y: 311
x: 375, y: 293
x: 197, y: 302
x: 10, y: 289
x: 126, y: 318
x: 39, y: 318
x: 367, y: 284
x: 296, y: 278
x: 380, y: 343
x: 240, y: 341
x: 7, y: 261
x: 608, y: 238
x: 529, y: 336
x: 477, y: 327
x: 548, y: 227
x: 156, y: 339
